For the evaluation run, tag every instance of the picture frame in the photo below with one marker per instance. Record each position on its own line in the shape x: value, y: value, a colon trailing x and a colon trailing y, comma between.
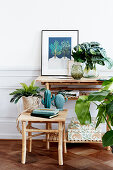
x: 56, y: 48
x: 70, y: 63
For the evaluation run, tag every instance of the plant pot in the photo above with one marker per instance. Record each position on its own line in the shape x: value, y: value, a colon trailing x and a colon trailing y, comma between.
x: 88, y: 73
x: 76, y: 71
x: 30, y: 103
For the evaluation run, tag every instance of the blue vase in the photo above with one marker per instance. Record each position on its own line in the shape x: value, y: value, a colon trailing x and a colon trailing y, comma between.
x: 59, y: 101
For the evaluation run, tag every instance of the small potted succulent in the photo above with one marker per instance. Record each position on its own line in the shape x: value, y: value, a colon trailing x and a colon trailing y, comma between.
x: 30, y: 95
x: 91, y: 54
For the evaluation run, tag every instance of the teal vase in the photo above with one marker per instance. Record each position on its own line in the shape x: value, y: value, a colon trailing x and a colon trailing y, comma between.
x: 59, y: 101
x: 76, y: 71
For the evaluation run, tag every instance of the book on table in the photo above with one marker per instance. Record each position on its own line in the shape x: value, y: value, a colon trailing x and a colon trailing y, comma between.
x: 45, y: 113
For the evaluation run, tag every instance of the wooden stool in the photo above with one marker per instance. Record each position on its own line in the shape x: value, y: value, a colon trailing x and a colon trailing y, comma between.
x: 60, y: 119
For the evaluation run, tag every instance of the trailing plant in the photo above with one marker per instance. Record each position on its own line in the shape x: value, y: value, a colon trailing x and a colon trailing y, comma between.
x: 26, y: 91
x: 91, y: 54
x: 103, y: 100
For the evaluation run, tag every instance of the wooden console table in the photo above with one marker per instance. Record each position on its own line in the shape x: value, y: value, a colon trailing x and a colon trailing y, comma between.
x: 56, y: 83
x: 49, y: 81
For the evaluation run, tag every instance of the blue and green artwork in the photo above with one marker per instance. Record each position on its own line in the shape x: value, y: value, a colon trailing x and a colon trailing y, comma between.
x: 59, y: 47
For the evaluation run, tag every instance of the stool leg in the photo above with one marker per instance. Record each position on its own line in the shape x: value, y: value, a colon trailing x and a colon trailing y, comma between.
x: 60, y: 153
x: 29, y: 140
x: 23, y: 142
x: 64, y: 139
x: 47, y: 136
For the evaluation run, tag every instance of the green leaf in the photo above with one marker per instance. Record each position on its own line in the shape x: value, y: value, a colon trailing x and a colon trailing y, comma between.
x: 32, y: 83
x: 42, y: 89
x: 109, y: 97
x: 82, y: 98
x: 98, y: 96
x: 107, y: 139
x: 101, y: 110
x: 82, y: 111
x: 108, y: 62
x: 108, y: 84
x: 93, y: 44
x: 24, y: 86
x: 17, y: 99
x: 109, y: 108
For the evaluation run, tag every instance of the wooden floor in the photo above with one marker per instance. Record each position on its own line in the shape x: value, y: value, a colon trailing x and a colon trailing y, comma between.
x: 79, y: 156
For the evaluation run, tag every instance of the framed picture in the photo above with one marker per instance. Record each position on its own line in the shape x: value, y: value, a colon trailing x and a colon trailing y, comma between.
x: 56, y: 48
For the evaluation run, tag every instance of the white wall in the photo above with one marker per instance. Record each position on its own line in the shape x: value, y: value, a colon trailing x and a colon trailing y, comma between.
x: 21, y: 22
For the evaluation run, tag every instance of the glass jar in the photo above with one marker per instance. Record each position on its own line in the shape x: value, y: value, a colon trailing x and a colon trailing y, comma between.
x: 76, y: 71
x: 88, y: 73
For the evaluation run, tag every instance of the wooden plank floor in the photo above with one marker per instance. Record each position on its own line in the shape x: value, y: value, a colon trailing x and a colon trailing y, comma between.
x: 79, y: 156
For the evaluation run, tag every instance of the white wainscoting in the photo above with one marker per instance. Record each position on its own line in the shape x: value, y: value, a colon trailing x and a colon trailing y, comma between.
x: 10, y: 79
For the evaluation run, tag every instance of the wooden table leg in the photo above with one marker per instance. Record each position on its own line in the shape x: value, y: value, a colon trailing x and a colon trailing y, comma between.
x: 47, y: 136
x: 29, y: 139
x: 60, y: 153
x: 23, y: 142
x: 108, y: 147
x: 64, y: 139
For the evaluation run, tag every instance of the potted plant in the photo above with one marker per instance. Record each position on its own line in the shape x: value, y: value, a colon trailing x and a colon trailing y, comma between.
x: 91, y: 54
x: 104, y: 97
x: 30, y: 95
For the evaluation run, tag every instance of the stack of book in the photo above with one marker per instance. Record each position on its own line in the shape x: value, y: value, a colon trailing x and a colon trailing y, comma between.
x: 45, y: 113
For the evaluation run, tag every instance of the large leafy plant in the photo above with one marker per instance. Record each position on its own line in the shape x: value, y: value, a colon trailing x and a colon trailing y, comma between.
x: 91, y: 54
x: 104, y: 102
x: 26, y: 91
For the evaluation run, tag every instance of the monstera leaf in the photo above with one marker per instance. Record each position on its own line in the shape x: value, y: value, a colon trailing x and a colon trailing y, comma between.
x: 107, y: 139
x: 82, y: 110
x: 98, y: 96
x: 109, y: 108
x: 108, y: 85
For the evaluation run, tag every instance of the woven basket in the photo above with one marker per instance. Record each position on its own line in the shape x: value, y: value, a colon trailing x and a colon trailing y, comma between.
x: 30, y: 103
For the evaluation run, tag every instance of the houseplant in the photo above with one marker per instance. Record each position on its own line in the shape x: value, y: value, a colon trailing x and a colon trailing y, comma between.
x: 91, y: 54
x: 104, y: 97
x: 30, y: 95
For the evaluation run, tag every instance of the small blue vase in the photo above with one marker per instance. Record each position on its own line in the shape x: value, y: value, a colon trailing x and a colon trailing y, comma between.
x: 59, y: 101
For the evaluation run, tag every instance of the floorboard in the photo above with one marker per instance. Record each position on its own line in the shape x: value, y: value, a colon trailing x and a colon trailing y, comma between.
x: 79, y: 156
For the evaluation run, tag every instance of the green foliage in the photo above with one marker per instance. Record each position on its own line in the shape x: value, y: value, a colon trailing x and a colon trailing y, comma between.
x: 105, y: 108
x: 82, y: 110
x: 55, y: 48
x: 98, y: 96
x: 108, y: 85
x: 91, y: 54
x: 101, y: 114
x: 26, y: 91
x: 109, y: 108
x: 107, y: 139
